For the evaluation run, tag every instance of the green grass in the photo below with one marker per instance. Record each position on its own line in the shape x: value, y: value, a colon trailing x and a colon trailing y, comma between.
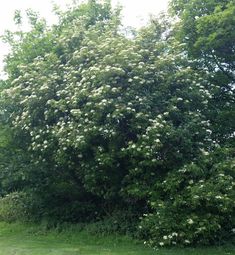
x: 18, y: 239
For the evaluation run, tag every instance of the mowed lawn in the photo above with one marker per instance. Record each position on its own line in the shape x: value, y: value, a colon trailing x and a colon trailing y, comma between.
x: 18, y: 239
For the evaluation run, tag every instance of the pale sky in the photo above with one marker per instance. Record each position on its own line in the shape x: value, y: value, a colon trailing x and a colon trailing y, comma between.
x: 135, y: 13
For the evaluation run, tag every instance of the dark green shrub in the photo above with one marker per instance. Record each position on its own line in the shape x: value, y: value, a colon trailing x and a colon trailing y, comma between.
x: 119, y: 222
x: 15, y: 207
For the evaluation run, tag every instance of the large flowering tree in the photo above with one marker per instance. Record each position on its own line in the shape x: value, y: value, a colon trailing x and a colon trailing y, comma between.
x: 102, y: 104
x: 105, y: 117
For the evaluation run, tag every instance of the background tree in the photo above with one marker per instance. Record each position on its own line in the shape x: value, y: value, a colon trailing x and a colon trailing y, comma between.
x: 207, y: 31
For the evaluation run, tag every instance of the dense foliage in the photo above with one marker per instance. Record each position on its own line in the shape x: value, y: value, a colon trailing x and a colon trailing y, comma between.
x: 96, y: 124
x: 193, y: 205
